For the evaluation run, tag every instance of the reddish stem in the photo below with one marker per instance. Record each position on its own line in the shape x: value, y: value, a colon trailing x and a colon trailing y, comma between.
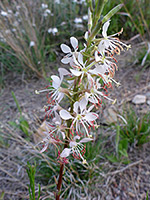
x: 59, y: 181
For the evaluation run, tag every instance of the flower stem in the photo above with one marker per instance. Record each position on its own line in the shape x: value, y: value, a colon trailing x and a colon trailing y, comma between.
x: 59, y: 182
x: 66, y: 144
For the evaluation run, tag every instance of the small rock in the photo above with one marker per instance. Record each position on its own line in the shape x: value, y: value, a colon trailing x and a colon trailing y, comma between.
x: 39, y: 135
x: 139, y: 99
x: 147, y: 94
x: 148, y: 102
x: 117, y: 198
x: 110, y: 116
x: 108, y: 197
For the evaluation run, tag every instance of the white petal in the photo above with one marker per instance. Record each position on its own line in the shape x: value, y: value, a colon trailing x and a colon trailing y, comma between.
x: 63, y: 135
x: 97, y: 58
x: 90, y: 108
x: 75, y: 72
x: 60, y: 97
x: 57, y: 119
x: 74, y: 42
x: 32, y: 44
x: 93, y: 100
x: 56, y: 81
x: 65, y: 115
x: 105, y: 27
x: 75, y: 107
x: 84, y: 140
x: 86, y: 35
x: 91, y: 117
x: 65, y: 48
x: 87, y: 95
x: 77, y: 137
x: 65, y: 60
x: 83, y: 104
x: 65, y: 153
x: 98, y: 70
x: 90, y: 80
x: 75, y: 61
x: 63, y: 72
x: 72, y: 144
x: 80, y: 59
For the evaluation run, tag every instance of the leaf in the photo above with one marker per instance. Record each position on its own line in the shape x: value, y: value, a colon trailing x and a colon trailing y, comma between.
x: 2, y: 196
x: 17, y: 103
x: 24, y: 126
x: 117, y: 137
x: 111, y: 13
x: 112, y: 158
x: 14, y: 124
x: 123, y: 152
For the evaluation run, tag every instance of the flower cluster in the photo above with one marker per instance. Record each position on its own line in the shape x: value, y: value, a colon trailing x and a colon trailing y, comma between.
x: 76, y: 94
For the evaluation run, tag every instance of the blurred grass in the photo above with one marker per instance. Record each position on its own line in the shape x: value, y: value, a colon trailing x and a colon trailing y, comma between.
x: 28, y: 43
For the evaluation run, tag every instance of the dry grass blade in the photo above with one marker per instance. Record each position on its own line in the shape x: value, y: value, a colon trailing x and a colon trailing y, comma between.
x: 19, y: 30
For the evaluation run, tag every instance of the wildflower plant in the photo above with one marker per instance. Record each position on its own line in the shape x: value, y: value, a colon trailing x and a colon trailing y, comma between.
x: 83, y: 86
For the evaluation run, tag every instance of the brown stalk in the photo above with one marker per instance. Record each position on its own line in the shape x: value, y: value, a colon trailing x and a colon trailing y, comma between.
x: 59, y: 181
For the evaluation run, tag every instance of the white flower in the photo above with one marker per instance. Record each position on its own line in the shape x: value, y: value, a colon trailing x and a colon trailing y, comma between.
x: 55, y: 90
x: 77, y: 20
x: 3, y: 13
x: 53, y: 31
x: 32, y: 44
x: 76, y: 148
x: 82, y: 117
x: 109, y: 43
x: 81, y: 68
x: 85, y: 17
x: 47, y: 12
x: 57, y: 1
x: 66, y: 49
x: 48, y: 137
x: 96, y: 92
x: 43, y: 5
x: 16, y: 14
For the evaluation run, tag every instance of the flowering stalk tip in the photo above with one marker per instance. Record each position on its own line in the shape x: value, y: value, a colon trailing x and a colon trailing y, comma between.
x: 75, y: 95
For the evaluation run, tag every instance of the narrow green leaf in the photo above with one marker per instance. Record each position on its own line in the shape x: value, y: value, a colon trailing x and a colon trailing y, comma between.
x: 117, y: 137
x: 2, y: 196
x: 39, y: 191
x: 17, y: 103
x: 123, y: 152
x: 14, y: 124
x: 111, y: 13
x: 24, y: 126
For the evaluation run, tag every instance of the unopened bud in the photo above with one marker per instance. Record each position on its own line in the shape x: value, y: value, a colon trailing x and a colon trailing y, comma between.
x: 114, y: 101
x: 36, y: 92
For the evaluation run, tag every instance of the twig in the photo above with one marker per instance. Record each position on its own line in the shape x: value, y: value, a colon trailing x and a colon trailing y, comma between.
x: 123, y: 169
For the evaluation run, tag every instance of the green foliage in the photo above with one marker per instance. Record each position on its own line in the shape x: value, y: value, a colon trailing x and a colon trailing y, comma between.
x: 126, y: 18
x: 137, y: 130
x: 2, y: 196
x: 147, y: 195
x: 135, y: 133
x: 31, y: 169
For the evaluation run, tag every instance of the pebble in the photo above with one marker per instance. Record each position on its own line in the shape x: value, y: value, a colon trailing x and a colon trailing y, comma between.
x: 139, y: 99
x: 109, y: 116
x: 148, y: 102
x: 147, y: 94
